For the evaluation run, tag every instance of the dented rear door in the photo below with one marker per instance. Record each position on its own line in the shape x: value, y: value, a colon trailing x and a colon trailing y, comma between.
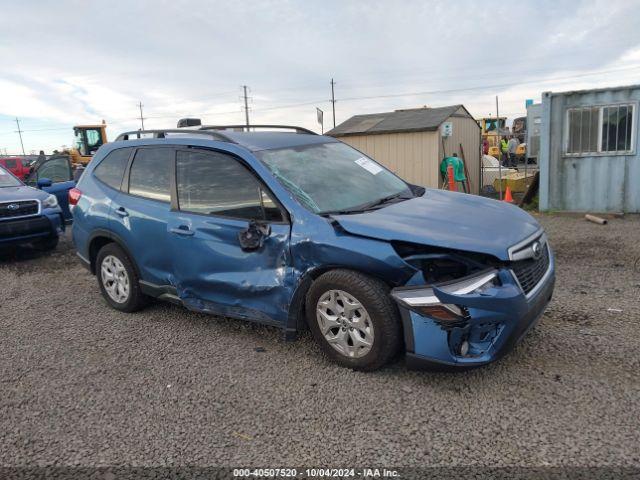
x: 218, y: 199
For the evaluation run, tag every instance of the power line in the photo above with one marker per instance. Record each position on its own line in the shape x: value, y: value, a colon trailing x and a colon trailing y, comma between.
x: 484, y: 87
x: 431, y: 92
x: 353, y: 98
x: 476, y: 66
x: 291, y: 105
x: 183, y: 115
x: 44, y: 129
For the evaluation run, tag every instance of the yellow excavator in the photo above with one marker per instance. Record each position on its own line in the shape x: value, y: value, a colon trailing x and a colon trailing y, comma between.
x: 87, y: 140
x: 490, y: 127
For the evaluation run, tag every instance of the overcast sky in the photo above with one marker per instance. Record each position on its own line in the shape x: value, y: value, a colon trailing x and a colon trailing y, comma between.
x: 71, y: 62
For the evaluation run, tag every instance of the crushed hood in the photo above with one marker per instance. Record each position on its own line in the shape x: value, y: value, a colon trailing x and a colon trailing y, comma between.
x: 449, y: 220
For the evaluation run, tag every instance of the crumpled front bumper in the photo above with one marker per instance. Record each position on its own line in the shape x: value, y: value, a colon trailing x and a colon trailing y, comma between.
x: 498, y: 318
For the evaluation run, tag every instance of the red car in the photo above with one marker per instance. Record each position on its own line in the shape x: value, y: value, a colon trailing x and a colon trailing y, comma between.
x: 16, y: 165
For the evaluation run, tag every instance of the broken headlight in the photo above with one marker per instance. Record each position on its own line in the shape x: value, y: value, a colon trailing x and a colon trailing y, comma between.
x: 423, y: 299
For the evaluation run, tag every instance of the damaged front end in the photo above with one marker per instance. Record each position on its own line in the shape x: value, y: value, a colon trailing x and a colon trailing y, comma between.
x: 463, y: 309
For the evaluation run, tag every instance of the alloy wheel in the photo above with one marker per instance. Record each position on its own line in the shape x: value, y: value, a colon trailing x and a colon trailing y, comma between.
x: 345, y: 323
x: 115, y: 279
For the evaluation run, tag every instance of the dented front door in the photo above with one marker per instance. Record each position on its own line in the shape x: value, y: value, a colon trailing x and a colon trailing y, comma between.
x: 218, y: 200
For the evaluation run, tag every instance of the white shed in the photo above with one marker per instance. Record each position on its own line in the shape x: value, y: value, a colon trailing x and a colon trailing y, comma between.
x: 413, y: 142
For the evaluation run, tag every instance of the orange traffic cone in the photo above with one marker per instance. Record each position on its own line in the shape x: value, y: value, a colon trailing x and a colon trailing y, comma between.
x: 507, y: 195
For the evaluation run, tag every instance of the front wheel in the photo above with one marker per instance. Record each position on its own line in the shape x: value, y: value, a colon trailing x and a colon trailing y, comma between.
x: 353, y: 319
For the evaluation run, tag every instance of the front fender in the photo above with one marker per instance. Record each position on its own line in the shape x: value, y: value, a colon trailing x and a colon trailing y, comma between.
x: 319, y: 245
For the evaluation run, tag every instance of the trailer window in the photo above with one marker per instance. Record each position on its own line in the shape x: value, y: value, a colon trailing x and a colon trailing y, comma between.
x: 601, y: 129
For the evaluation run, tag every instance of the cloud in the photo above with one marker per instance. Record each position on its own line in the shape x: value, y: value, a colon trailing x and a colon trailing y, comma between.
x: 70, y: 62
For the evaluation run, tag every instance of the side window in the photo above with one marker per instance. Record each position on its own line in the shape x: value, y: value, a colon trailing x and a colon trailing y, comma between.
x: 151, y: 173
x: 111, y: 169
x: 93, y: 138
x: 10, y: 163
x: 215, y: 183
x: 57, y: 169
x: 78, y: 141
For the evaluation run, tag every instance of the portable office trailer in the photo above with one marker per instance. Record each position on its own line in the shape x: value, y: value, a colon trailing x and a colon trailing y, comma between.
x: 589, y: 157
x: 413, y: 142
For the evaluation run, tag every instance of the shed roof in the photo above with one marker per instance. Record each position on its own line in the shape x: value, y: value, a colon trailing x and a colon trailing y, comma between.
x: 411, y: 120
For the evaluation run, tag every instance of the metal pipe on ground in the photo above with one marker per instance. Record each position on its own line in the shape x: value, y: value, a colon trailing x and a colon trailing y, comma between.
x: 594, y: 219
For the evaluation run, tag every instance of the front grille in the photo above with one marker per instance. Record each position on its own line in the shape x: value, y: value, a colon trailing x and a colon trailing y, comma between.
x: 529, y: 272
x: 25, y: 226
x: 21, y: 208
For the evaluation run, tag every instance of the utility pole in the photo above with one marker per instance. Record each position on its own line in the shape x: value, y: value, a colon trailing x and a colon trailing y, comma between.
x: 20, y: 133
x: 246, y: 105
x: 141, y: 117
x: 499, y: 145
x: 333, y: 102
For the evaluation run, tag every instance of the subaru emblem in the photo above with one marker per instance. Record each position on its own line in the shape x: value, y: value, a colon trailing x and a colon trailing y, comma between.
x: 13, y: 206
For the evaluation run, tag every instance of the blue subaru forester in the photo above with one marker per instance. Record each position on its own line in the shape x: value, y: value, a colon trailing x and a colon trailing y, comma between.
x: 298, y: 230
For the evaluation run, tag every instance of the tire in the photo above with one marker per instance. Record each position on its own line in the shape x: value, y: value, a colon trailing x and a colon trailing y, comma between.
x: 115, y: 260
x: 381, y: 328
x: 46, y: 244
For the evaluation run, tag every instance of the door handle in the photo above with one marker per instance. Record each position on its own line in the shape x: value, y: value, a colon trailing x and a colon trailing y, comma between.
x: 182, y: 230
x: 122, y: 212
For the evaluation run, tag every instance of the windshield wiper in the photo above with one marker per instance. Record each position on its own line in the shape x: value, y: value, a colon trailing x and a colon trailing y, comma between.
x: 365, y: 207
x: 342, y: 212
x: 383, y: 200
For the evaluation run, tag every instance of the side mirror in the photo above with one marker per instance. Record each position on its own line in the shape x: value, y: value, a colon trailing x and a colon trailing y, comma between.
x: 44, y: 182
x: 252, y: 238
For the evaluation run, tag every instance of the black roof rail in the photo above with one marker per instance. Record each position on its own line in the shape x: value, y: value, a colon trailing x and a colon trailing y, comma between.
x: 136, y: 134
x: 245, y: 128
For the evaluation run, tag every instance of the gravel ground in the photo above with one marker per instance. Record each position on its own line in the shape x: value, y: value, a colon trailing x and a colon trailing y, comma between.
x: 82, y: 384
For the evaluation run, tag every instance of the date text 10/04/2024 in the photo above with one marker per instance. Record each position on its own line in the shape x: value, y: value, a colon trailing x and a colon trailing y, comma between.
x: 316, y: 472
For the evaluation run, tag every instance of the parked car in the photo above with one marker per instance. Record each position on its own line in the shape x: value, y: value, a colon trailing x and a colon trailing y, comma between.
x: 300, y: 230
x: 55, y: 175
x: 16, y: 165
x: 28, y: 215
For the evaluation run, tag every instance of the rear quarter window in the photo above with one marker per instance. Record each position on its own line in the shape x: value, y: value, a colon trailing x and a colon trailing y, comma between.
x: 151, y: 173
x: 111, y: 169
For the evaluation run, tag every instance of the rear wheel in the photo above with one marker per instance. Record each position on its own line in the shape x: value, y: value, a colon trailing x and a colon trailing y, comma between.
x: 353, y: 319
x: 118, y: 279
